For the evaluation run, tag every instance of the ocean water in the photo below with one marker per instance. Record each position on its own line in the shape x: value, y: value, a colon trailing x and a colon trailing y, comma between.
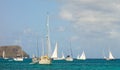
x: 89, y: 64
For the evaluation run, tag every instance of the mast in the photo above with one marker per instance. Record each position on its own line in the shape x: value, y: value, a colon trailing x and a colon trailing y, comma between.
x: 48, y: 38
x: 71, y: 49
x: 42, y: 47
x: 37, y: 48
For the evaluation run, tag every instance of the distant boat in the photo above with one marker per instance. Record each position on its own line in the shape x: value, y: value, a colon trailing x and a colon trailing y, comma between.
x: 55, y: 53
x: 4, y: 56
x: 82, y: 57
x: 110, y: 56
x: 34, y: 60
x: 19, y: 57
x: 45, y: 59
x: 63, y: 57
x: 69, y: 58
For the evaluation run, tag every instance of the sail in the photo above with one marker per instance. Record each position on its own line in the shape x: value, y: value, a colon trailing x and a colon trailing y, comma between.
x: 3, y: 54
x: 110, y: 55
x: 54, y: 55
x: 63, y: 57
x: 83, y: 57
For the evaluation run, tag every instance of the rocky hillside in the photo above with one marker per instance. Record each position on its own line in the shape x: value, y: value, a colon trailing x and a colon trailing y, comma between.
x: 12, y: 51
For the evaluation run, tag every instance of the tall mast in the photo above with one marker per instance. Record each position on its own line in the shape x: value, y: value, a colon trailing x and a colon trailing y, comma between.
x: 48, y: 38
x: 37, y: 47
x: 71, y: 49
x: 42, y: 47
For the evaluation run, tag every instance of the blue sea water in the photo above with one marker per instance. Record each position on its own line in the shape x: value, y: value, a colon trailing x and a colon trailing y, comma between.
x: 89, y: 64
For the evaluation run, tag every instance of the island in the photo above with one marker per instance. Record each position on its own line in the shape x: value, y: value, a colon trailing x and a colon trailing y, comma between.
x: 12, y: 51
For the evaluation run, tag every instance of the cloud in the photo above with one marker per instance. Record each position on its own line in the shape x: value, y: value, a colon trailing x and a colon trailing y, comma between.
x: 92, y: 16
x: 66, y: 15
x: 61, y: 29
x: 74, y: 38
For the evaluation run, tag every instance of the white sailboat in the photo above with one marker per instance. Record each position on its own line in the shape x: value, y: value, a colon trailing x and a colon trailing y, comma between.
x: 4, y: 56
x: 19, y: 57
x: 55, y: 53
x: 63, y: 57
x: 45, y: 59
x: 78, y: 57
x: 69, y: 58
x: 82, y: 57
x: 110, y: 56
x: 34, y: 60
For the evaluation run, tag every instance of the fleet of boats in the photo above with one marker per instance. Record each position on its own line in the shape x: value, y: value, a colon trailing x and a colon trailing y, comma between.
x: 47, y: 58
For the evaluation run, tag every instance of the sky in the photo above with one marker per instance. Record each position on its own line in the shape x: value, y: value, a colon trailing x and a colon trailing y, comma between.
x: 92, y: 26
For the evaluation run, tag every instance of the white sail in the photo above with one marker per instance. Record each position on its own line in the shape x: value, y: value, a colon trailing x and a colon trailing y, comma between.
x: 83, y: 57
x: 63, y: 57
x: 3, y: 55
x: 110, y: 55
x: 55, y: 53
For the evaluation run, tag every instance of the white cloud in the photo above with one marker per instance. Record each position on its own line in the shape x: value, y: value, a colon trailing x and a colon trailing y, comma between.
x: 92, y: 16
x: 66, y: 15
x: 61, y: 29
x: 74, y: 38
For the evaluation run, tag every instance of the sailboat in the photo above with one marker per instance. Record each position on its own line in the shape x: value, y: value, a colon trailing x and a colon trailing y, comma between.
x: 82, y: 57
x: 55, y: 53
x: 19, y: 57
x: 63, y: 57
x: 45, y: 59
x: 78, y: 57
x: 110, y: 56
x: 69, y: 58
x: 3, y: 55
x: 34, y: 60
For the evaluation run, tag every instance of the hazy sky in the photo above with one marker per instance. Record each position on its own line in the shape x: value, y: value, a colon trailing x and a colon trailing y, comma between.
x: 90, y: 25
